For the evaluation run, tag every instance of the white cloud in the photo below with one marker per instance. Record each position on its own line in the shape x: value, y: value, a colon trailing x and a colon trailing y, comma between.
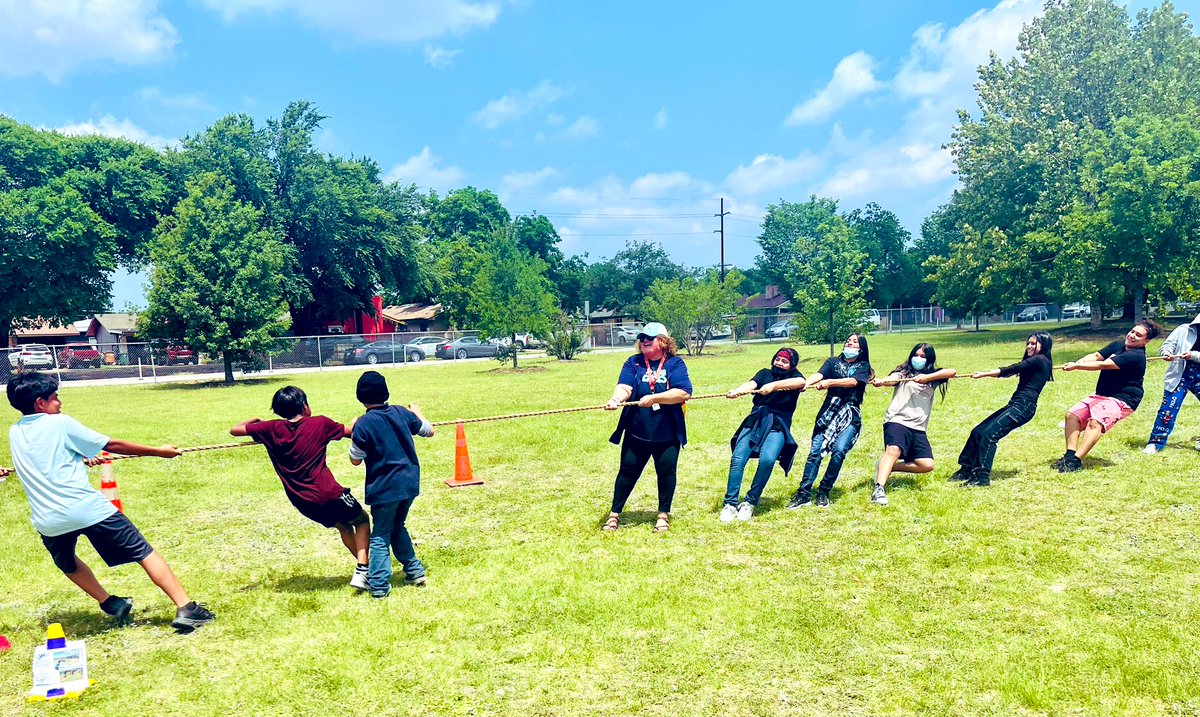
x: 439, y: 57
x: 942, y: 61
x: 423, y: 170
x: 382, y: 21
x: 583, y: 128
x: 768, y: 172
x: 57, y: 38
x: 516, y: 105
x: 661, y: 120
x: 109, y: 126
x: 516, y: 182
x: 853, y: 77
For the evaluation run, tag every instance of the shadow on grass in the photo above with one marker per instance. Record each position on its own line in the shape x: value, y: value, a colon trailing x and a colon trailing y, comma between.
x: 218, y: 384
x: 633, y: 517
x: 89, y: 623
x: 310, y: 583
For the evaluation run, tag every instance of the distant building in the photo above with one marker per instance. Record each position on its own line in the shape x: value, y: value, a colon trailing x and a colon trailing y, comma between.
x: 765, y: 309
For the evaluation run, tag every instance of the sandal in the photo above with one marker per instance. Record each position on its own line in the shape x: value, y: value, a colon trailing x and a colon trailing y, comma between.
x: 663, y: 524
x: 613, y: 522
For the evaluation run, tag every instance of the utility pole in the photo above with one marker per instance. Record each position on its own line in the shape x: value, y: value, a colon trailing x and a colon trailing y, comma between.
x: 721, y: 231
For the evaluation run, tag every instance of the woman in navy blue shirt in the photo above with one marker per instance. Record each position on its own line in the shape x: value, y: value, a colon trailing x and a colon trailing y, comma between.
x: 658, y: 381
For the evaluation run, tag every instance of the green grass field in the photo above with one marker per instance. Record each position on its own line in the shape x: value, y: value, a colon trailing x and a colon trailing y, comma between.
x: 1043, y: 594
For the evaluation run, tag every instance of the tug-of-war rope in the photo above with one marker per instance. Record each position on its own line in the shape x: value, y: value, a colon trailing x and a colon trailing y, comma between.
x: 532, y: 414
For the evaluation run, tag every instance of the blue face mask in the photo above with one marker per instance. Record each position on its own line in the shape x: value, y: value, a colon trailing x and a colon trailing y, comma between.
x: 850, y: 353
x: 918, y: 363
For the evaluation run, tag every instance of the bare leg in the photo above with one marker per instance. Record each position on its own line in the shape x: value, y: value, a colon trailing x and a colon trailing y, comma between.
x: 921, y: 465
x: 357, y: 540
x: 161, y: 574
x: 883, y: 468
x: 87, y: 582
x: 1089, y: 438
x: 1071, y: 431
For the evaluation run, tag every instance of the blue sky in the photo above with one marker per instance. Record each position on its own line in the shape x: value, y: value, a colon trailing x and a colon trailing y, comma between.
x: 619, y: 120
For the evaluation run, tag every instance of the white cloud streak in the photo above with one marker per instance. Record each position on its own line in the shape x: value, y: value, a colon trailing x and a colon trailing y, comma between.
x: 372, y: 21
x: 439, y: 57
x: 516, y: 105
x: 853, y: 77
x: 109, y: 126
x: 424, y: 170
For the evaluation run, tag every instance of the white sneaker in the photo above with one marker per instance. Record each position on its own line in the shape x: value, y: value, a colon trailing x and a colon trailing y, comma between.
x: 359, y: 580
x: 745, y: 512
x: 878, y: 497
x: 728, y: 513
x: 1150, y: 450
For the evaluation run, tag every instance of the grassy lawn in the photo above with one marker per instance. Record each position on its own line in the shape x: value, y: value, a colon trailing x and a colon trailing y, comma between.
x: 1043, y: 594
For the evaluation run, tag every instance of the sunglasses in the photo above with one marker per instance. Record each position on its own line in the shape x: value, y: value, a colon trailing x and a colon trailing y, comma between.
x: 643, y: 338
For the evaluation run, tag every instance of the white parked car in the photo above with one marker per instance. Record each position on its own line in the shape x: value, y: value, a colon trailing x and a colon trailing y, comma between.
x: 872, y: 316
x: 626, y: 334
x: 781, y: 330
x: 1077, y: 311
x: 1033, y: 313
x: 31, y: 356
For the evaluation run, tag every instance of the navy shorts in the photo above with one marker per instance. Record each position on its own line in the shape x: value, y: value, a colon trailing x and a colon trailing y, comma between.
x: 345, y: 510
x: 913, y: 444
x: 115, y: 538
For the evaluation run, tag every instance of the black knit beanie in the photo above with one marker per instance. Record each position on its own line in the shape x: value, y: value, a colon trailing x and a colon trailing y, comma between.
x: 372, y: 388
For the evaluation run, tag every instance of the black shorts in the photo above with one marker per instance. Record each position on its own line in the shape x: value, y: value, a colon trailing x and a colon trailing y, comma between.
x: 913, y: 444
x: 115, y: 538
x: 345, y: 510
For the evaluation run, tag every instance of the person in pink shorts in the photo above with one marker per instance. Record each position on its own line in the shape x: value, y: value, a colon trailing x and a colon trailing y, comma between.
x: 1122, y: 367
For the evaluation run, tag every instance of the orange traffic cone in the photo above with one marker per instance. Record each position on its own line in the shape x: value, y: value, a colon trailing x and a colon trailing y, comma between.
x: 108, y: 482
x: 462, y: 461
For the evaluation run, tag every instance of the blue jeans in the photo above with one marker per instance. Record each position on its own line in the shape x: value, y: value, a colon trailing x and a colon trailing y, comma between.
x: 980, y: 450
x: 387, y: 529
x: 1171, y: 403
x: 768, y: 453
x: 841, y: 446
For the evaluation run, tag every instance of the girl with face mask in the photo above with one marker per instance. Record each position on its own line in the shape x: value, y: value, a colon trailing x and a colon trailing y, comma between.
x: 844, y: 378
x: 906, y: 444
x: 765, y: 434
x: 1035, y: 368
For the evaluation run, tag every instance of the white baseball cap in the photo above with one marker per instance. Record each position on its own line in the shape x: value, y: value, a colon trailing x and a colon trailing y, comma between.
x: 653, y: 329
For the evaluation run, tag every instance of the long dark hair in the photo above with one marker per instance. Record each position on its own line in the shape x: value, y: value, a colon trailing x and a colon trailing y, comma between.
x: 907, y: 371
x: 864, y: 353
x: 1046, y: 343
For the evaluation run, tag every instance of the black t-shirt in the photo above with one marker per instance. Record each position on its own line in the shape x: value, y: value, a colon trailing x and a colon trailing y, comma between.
x: 837, y: 367
x: 781, y: 403
x: 1034, y: 372
x: 1125, y: 383
x: 385, y: 435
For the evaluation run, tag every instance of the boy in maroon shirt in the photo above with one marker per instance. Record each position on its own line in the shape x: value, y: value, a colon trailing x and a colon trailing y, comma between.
x: 296, y: 445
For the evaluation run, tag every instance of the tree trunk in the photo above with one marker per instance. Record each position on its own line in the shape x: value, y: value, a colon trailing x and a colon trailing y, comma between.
x: 1139, y: 302
x: 976, y: 321
x: 512, y: 345
x: 1097, y: 313
x: 831, y: 336
x: 228, y: 366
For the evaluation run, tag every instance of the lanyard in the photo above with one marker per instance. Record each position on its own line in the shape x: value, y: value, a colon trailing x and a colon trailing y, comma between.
x: 651, y: 374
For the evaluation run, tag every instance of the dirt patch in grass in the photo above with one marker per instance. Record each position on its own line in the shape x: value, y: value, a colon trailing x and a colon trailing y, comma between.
x: 518, y: 371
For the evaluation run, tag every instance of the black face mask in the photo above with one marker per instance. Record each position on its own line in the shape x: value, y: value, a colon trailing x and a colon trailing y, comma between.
x: 779, y: 372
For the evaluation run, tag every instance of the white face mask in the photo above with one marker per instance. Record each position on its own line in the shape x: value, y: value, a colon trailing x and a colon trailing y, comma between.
x: 918, y: 363
x: 850, y: 353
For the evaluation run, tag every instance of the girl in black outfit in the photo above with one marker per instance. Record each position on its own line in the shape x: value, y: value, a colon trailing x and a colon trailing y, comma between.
x: 1035, y: 369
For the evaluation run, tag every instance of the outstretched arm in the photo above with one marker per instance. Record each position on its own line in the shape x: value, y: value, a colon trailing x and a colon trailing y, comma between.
x: 240, y: 429
x: 129, y: 448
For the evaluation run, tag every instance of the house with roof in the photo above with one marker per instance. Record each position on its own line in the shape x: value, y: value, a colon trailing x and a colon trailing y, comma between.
x: 49, y: 333
x: 765, y: 309
x: 417, y: 317
x: 113, y: 330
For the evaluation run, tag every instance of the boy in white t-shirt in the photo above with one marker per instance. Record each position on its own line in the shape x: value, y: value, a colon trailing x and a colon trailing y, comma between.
x: 49, y: 450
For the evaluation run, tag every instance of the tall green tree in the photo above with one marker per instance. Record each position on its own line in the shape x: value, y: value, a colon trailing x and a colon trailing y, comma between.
x: 217, y: 275
x: 56, y: 257
x: 511, y: 293
x: 831, y: 276
x: 885, y: 241
x: 623, y: 282
x: 975, y: 276
x: 783, y: 225
x: 691, y: 308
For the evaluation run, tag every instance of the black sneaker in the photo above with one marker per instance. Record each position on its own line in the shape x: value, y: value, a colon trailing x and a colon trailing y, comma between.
x: 962, y: 474
x: 822, y: 500
x: 415, y: 582
x: 800, y: 500
x: 191, y: 616
x: 979, y: 479
x: 1070, y: 465
x: 118, y: 607
x: 1058, y: 464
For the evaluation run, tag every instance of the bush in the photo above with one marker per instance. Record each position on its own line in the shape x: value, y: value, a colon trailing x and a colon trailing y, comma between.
x: 565, y: 339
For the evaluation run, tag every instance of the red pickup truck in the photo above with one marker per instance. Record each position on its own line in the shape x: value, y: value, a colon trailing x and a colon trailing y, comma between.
x: 79, y: 356
x: 179, y: 354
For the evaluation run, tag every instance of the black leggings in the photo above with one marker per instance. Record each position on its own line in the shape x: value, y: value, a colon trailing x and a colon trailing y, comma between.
x: 634, y: 455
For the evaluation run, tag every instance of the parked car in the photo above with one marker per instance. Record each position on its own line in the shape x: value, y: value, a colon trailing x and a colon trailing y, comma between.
x: 386, y: 351
x: 31, y: 356
x: 177, y: 353
x: 781, y: 330
x: 1077, y: 311
x: 426, y: 344
x: 627, y: 334
x: 872, y: 316
x: 79, y: 356
x: 1032, y: 313
x: 333, y: 346
x: 466, y: 347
